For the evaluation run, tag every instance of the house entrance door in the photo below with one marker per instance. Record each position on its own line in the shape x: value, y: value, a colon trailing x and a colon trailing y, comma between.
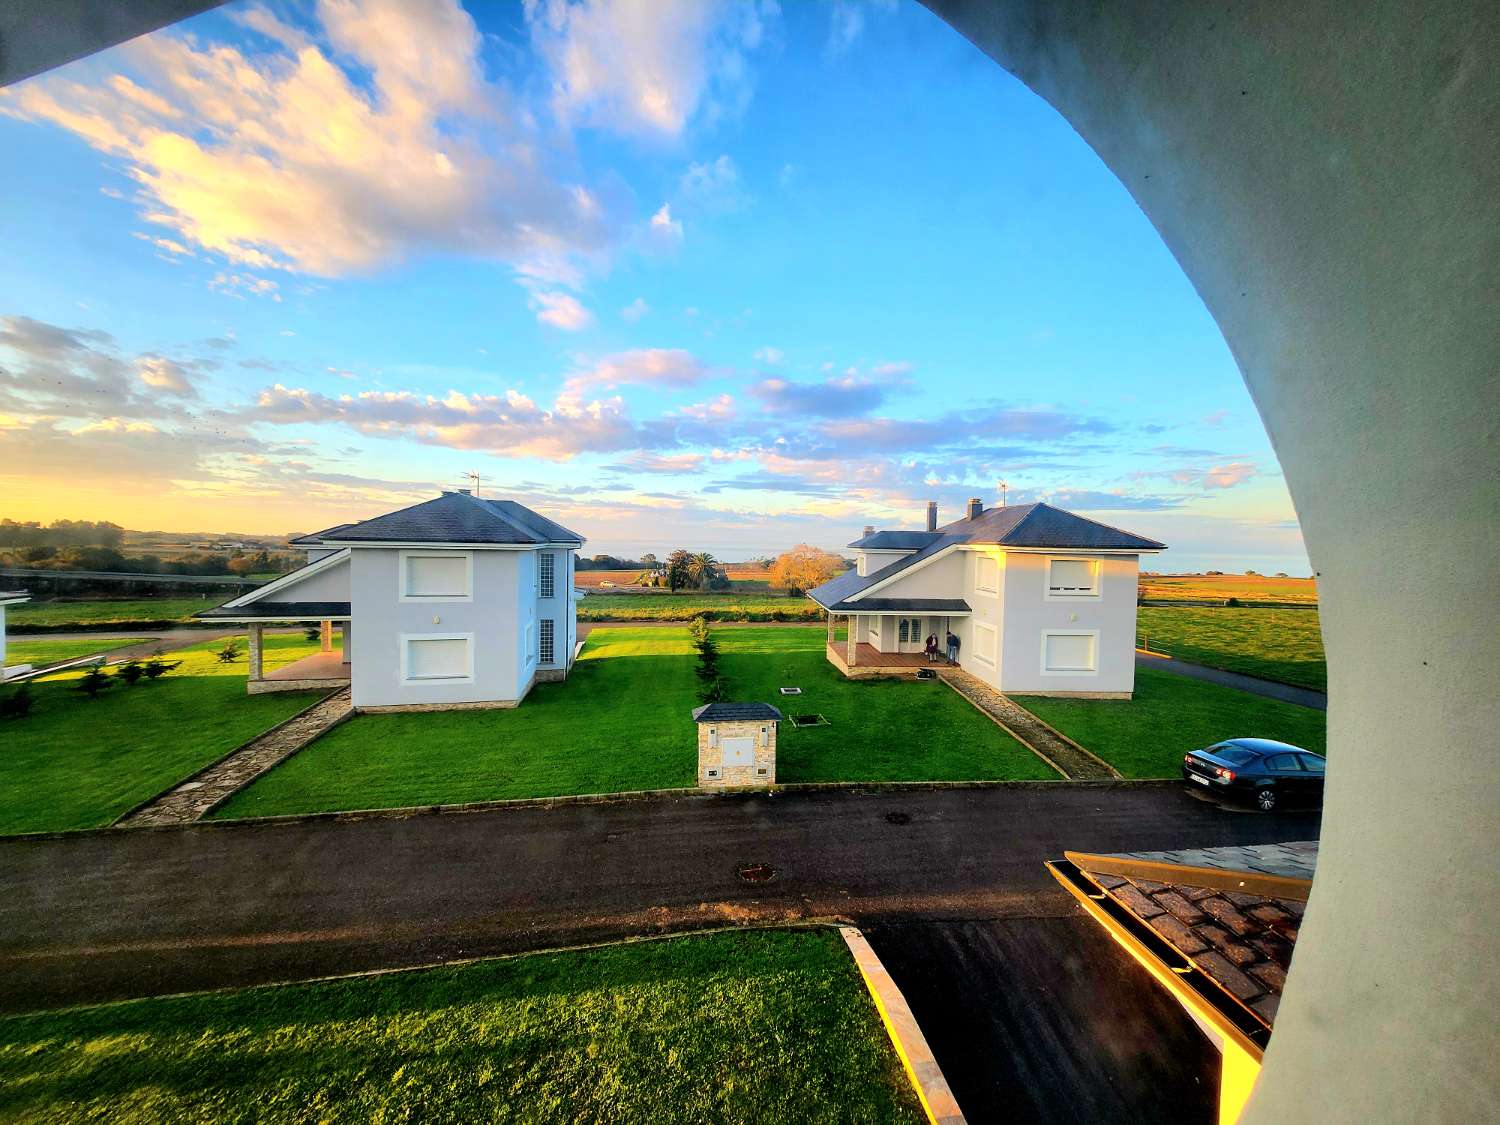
x: 909, y: 635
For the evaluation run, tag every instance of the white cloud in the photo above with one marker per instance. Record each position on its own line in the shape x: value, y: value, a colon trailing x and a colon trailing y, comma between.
x: 847, y: 22
x: 164, y: 374
x: 665, y: 229
x: 648, y: 66
x: 290, y: 157
x: 237, y: 284
x: 643, y: 367
x: 771, y: 356
x: 714, y: 185
x: 635, y: 310
x: 561, y: 311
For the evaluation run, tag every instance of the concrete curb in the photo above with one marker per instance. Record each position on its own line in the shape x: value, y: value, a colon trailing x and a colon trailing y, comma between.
x: 922, y: 1068
x: 873, y: 788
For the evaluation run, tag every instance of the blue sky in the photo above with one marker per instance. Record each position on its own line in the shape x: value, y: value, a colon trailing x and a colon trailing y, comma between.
x: 728, y: 276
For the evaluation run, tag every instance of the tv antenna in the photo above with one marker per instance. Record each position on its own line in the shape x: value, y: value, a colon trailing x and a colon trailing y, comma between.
x: 473, y: 479
x: 1004, y: 489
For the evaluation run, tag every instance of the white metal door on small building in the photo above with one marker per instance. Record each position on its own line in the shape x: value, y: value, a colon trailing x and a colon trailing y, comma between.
x: 738, y: 751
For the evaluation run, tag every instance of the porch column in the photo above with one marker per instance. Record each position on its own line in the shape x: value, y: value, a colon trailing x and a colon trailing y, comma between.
x: 325, y: 636
x: 852, y: 644
x: 347, y: 647
x: 831, y: 629
x: 254, y: 632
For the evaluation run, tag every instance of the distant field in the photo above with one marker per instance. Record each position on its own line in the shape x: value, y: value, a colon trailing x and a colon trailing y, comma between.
x: 48, y: 651
x: 1206, y: 587
x: 661, y: 605
x: 124, y: 612
x: 743, y: 579
x: 1275, y: 644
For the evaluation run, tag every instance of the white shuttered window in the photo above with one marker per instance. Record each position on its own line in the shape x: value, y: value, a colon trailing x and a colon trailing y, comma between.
x: 1068, y: 652
x: 1072, y: 577
x: 437, y: 658
x: 435, y: 576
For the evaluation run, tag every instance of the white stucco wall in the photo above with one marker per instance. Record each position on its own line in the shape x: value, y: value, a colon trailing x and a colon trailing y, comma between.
x: 495, y: 617
x: 330, y: 585
x: 868, y: 562
x: 1029, y: 613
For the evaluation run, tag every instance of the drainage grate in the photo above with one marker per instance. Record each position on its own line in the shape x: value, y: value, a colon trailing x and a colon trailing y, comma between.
x: 809, y: 721
x: 791, y: 691
x: 898, y: 818
x: 755, y: 872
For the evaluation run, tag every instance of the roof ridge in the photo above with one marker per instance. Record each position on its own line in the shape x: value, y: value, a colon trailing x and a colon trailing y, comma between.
x: 492, y: 508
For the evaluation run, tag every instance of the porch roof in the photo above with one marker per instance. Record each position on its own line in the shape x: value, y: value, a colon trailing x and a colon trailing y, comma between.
x: 278, y: 611
x: 950, y: 607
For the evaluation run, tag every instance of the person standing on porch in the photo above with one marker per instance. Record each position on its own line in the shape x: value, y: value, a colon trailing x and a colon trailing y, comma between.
x: 932, y: 649
x: 952, y: 647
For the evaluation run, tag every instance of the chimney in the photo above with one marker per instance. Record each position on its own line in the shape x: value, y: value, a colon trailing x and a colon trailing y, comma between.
x: 976, y: 507
x: 869, y: 530
x: 932, y: 515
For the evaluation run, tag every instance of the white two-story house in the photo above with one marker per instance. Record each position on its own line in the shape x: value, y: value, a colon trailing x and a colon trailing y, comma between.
x: 455, y: 602
x: 1041, y: 601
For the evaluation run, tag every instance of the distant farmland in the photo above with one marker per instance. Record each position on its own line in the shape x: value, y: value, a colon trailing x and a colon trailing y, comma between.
x: 1218, y: 587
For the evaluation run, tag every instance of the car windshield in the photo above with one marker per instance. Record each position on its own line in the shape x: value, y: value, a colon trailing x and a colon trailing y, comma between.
x: 1231, y: 754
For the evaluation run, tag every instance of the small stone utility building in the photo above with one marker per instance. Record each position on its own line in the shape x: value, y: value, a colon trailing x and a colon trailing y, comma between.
x: 736, y: 744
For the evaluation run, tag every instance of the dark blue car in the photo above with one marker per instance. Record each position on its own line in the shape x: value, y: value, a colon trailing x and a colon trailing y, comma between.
x: 1271, y: 774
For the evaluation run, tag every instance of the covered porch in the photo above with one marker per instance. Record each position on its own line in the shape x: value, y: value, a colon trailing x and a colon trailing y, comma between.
x: 898, y: 628
x: 327, y: 669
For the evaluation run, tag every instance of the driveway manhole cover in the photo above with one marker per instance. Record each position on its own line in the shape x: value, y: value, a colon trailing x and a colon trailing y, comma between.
x: 755, y: 872
x: 809, y: 721
x: 898, y: 818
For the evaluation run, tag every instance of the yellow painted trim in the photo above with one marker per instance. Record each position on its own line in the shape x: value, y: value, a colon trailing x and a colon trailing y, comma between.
x: 1237, y: 1076
x: 1221, y: 878
x: 1164, y: 974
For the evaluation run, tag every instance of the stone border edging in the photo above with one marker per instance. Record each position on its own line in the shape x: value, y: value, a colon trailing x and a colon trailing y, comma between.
x: 180, y: 782
x: 906, y: 1035
x: 1064, y: 738
x: 403, y: 812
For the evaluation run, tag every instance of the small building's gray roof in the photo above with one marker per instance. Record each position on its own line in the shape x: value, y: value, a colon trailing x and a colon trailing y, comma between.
x: 1037, y: 526
x: 454, y: 517
x: 276, y: 611
x: 904, y: 605
x: 736, y: 713
x: 895, y: 540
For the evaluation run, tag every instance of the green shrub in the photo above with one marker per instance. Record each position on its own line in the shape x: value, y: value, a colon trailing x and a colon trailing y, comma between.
x: 229, y: 653
x: 17, y: 705
x: 156, y: 667
x: 131, y: 672
x: 94, y: 680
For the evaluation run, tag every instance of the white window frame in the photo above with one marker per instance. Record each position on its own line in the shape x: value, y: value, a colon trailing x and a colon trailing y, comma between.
x: 409, y: 680
x: 979, y: 560
x: 1046, y: 671
x: 546, y: 570
x: 1095, y: 569
x: 543, y: 627
x: 403, y: 577
x: 979, y: 649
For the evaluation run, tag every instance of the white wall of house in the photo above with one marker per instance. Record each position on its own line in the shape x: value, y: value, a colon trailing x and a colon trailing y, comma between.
x: 331, y: 585
x: 316, y: 553
x: 491, y: 621
x: 983, y: 583
x: 1094, y: 632
x: 868, y: 562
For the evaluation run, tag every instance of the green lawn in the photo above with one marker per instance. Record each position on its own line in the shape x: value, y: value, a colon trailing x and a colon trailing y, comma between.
x: 659, y: 605
x: 622, y: 722
x: 1170, y: 715
x: 746, y: 1026
x: 1275, y: 644
x: 124, y: 612
x: 46, y: 651
x: 76, y: 762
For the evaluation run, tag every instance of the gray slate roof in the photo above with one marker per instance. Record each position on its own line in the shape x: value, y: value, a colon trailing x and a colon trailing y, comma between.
x: 904, y: 605
x: 1036, y: 525
x: 276, y: 611
x: 895, y: 540
x: 454, y: 517
x: 736, y: 713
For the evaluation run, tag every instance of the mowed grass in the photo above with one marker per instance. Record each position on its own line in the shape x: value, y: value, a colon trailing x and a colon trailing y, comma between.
x: 745, y: 1026
x: 109, y: 611
x: 1275, y: 644
x: 1170, y: 715
x: 44, y: 651
x: 662, y: 605
x: 878, y: 729
x: 623, y: 722
x: 76, y: 762
x: 1246, y: 587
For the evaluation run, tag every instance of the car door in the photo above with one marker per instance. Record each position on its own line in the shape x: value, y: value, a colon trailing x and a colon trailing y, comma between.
x: 1314, y: 767
x: 1290, y: 781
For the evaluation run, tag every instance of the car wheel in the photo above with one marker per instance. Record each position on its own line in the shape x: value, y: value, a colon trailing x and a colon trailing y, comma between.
x: 1265, y: 800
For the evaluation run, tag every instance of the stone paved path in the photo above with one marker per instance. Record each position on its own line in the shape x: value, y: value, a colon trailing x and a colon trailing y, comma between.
x: 1026, y: 728
x: 194, y: 797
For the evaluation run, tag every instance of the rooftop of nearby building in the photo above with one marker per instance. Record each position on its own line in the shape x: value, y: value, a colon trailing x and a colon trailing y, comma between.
x: 736, y: 713
x: 456, y: 516
x: 1036, y: 526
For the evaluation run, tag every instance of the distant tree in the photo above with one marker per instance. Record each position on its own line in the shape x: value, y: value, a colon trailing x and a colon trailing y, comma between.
x: 679, y: 570
x: 1251, y: 574
x: 254, y: 562
x: 1213, y: 574
x: 648, y: 561
x: 804, y: 567
x: 701, y: 568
